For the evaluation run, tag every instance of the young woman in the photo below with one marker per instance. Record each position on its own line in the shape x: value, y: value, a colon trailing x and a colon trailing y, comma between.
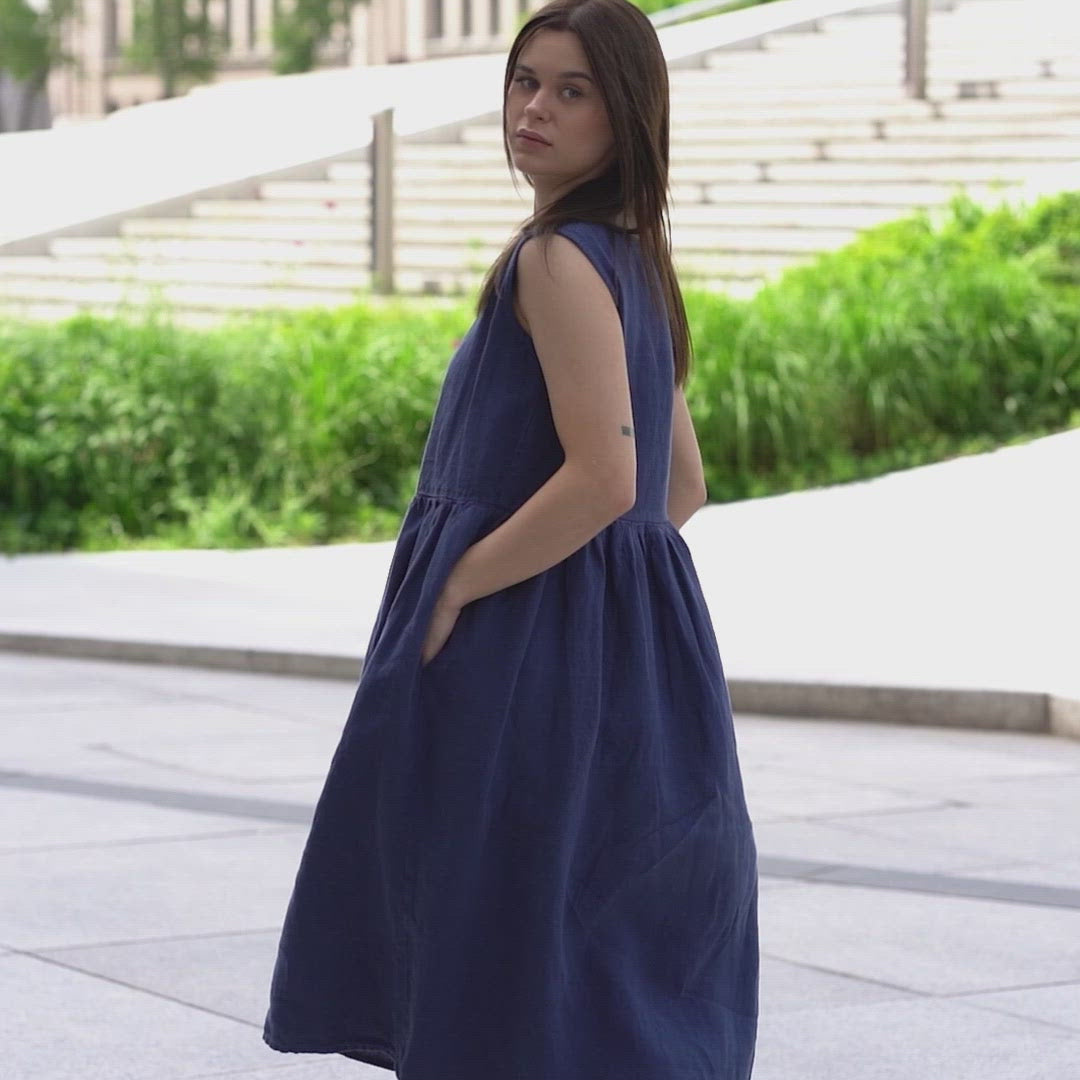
x: 532, y: 857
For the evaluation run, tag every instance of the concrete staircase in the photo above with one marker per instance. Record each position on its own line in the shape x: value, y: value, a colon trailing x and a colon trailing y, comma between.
x: 778, y: 152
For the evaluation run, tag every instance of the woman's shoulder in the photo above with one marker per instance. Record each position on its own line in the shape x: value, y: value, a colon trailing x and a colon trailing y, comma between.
x: 594, y: 239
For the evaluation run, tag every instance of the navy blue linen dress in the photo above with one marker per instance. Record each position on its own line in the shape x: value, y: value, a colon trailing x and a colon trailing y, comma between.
x: 532, y: 857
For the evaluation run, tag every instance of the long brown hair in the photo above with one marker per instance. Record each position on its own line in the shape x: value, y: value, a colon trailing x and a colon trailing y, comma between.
x: 622, y: 48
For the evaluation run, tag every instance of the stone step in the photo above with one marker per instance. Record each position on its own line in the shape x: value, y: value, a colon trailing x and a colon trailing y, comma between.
x: 941, y: 51
x: 898, y: 197
x: 958, y: 28
x: 882, y: 91
x: 106, y: 286
x: 899, y: 116
x: 47, y: 310
x: 885, y: 89
x: 714, y: 146
x: 706, y: 112
x: 182, y: 292
x: 461, y: 243
x: 1055, y: 148
x: 500, y: 198
x: 23, y: 272
x: 713, y: 141
x: 705, y: 109
x: 747, y: 170
x: 480, y: 142
x: 417, y: 220
x: 868, y: 68
x: 952, y: 31
x: 988, y: 86
x: 758, y: 249
x: 297, y: 232
x: 437, y: 178
x: 264, y: 251
x: 702, y: 164
x: 353, y: 208
x: 116, y: 271
x: 448, y: 161
x: 952, y: 171
x: 943, y: 44
x: 51, y: 311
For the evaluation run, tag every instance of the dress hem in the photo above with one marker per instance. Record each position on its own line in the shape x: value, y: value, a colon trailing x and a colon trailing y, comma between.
x: 372, y: 1052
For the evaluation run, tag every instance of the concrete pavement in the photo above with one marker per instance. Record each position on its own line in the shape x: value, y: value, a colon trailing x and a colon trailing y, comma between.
x: 919, y: 908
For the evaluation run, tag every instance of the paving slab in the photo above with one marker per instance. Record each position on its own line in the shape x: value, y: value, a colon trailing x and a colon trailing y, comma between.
x: 912, y: 1040
x: 141, y: 890
x: 1057, y: 1005
x: 66, y: 1024
x: 929, y: 944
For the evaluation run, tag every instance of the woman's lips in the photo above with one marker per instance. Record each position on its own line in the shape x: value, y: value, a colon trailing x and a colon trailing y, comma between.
x: 528, y: 140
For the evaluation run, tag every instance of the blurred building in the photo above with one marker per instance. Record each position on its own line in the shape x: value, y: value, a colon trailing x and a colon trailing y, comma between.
x: 381, y: 32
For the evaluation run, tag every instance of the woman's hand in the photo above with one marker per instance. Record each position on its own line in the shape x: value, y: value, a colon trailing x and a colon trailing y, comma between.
x: 443, y: 620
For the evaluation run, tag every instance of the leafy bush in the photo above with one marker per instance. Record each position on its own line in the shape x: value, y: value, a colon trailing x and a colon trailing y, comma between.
x: 295, y: 427
x: 916, y: 341
x: 922, y: 339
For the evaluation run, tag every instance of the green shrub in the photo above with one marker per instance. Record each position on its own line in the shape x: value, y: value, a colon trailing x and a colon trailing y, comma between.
x: 930, y: 336
x: 296, y: 427
x: 916, y: 341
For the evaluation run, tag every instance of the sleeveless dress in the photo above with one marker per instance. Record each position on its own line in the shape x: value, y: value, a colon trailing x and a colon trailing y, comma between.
x: 532, y: 858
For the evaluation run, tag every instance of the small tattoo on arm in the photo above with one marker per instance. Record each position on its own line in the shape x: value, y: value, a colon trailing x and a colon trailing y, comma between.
x: 626, y: 430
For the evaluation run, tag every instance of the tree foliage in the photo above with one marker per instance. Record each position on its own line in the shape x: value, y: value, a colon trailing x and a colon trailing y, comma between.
x: 177, y: 40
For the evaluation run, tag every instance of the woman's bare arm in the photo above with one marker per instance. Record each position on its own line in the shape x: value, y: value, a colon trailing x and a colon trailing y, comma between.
x: 578, y: 336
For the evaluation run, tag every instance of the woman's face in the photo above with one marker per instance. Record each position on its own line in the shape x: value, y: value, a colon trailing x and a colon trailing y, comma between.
x: 565, y: 109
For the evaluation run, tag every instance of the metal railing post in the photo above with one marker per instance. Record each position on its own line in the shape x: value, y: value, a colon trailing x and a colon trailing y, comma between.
x: 382, y: 201
x: 916, y: 33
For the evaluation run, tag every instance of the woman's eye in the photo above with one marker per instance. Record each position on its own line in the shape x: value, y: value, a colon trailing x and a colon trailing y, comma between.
x: 528, y: 78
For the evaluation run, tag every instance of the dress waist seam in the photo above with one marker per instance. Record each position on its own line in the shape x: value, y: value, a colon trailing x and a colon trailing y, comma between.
x: 459, y: 497
x: 465, y: 497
